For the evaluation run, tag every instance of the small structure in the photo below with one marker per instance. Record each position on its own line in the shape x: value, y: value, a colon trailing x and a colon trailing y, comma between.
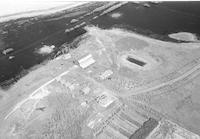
x: 106, y: 74
x: 105, y: 99
x: 95, y: 17
x: 46, y: 49
x: 146, y: 5
x: 7, y: 51
x: 67, y: 84
x: 86, y: 90
x: 71, y: 87
x: 66, y: 56
x: 11, y: 57
x: 74, y: 21
x: 86, y: 61
x: 68, y: 30
x: 84, y: 104
x: 95, y: 120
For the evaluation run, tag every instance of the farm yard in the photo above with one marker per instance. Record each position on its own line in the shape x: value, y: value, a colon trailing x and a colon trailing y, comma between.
x: 109, y: 88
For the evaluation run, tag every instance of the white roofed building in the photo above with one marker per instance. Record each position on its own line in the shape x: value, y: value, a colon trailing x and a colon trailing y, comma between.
x: 86, y: 61
x: 106, y: 74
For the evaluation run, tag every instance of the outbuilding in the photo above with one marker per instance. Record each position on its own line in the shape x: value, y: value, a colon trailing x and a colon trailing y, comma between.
x: 86, y: 61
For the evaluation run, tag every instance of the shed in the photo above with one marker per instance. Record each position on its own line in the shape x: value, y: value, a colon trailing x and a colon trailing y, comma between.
x: 106, y: 74
x: 86, y: 61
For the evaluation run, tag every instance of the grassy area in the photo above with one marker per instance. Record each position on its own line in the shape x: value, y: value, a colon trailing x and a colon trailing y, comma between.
x: 68, y: 111
x: 65, y: 122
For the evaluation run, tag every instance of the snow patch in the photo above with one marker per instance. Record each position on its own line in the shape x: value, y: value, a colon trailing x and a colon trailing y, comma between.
x: 46, y: 49
x: 116, y: 15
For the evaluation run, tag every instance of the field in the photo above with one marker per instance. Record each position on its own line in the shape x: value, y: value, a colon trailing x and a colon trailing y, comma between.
x: 94, y: 91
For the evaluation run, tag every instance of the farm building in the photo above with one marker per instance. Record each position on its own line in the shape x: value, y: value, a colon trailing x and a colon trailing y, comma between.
x: 106, y: 74
x: 86, y: 61
x: 105, y: 99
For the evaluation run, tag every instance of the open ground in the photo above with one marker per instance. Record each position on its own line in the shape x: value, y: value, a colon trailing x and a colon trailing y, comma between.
x: 113, y: 85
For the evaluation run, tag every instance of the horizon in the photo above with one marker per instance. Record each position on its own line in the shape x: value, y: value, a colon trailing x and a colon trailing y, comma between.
x: 10, y: 7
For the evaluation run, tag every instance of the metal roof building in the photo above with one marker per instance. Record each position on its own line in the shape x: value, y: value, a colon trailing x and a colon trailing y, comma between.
x: 86, y: 61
